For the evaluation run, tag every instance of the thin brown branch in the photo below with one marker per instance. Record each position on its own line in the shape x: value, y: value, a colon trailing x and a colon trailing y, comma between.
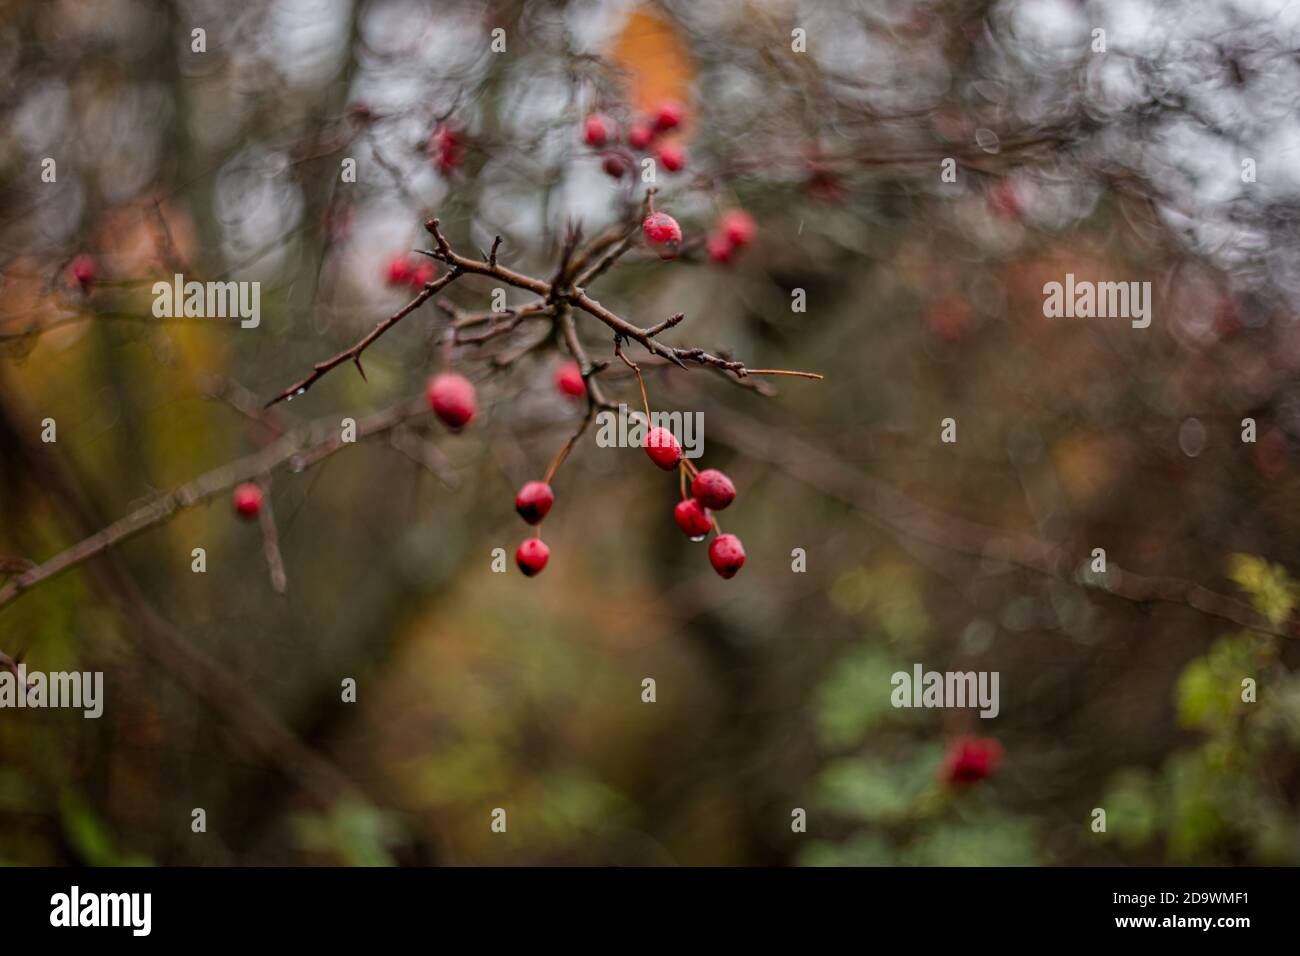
x: 271, y: 541
x: 299, y: 449
x: 902, y: 515
x: 353, y: 354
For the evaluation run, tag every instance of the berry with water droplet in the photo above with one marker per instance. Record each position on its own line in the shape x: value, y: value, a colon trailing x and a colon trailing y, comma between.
x: 726, y: 554
x: 692, y: 517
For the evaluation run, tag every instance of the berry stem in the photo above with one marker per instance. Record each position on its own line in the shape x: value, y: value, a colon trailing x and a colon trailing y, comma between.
x: 782, y: 371
x: 636, y: 370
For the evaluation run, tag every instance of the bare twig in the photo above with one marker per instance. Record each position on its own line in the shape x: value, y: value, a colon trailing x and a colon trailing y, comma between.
x: 902, y: 515
x: 271, y: 541
x: 299, y: 449
x: 353, y: 354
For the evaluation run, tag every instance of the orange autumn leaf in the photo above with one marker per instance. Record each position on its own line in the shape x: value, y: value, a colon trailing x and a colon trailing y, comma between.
x: 651, y: 53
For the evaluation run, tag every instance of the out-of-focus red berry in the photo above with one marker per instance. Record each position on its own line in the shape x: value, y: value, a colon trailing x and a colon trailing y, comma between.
x: 568, y: 379
x: 971, y: 759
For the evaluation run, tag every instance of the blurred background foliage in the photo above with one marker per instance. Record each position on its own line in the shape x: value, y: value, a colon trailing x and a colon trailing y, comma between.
x: 479, y: 691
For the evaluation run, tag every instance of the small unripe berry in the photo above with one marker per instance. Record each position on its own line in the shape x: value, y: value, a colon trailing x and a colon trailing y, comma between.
x: 534, y: 501
x: 640, y: 135
x: 598, y: 130
x: 671, y: 157
x: 692, y: 517
x: 726, y: 554
x: 568, y: 379
x: 615, y: 165
x: 82, y: 269
x: 668, y: 115
x: 247, y: 500
x: 662, y: 232
x: 662, y: 447
x: 739, y: 227
x: 713, y: 489
x: 452, y: 399
x: 400, y: 270
x: 532, y: 556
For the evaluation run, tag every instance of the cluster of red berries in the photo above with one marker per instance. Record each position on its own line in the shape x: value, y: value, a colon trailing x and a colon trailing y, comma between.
x: 410, y: 270
x: 735, y: 230
x: 600, y: 132
x: 711, y: 491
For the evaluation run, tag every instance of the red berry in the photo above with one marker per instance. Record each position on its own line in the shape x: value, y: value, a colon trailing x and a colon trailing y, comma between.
x: 421, y: 274
x: 400, y: 270
x: 615, y: 165
x: 451, y: 396
x: 720, y: 249
x: 532, y: 556
x: 598, y: 130
x: 568, y: 379
x: 692, y: 517
x: 248, y: 500
x: 726, y: 554
x: 640, y: 135
x: 661, y: 230
x: 739, y: 227
x: 668, y: 115
x: 714, y: 489
x: 446, y: 148
x: 534, y: 501
x: 671, y: 157
x: 82, y: 269
x: 661, y: 445
x: 970, y: 760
